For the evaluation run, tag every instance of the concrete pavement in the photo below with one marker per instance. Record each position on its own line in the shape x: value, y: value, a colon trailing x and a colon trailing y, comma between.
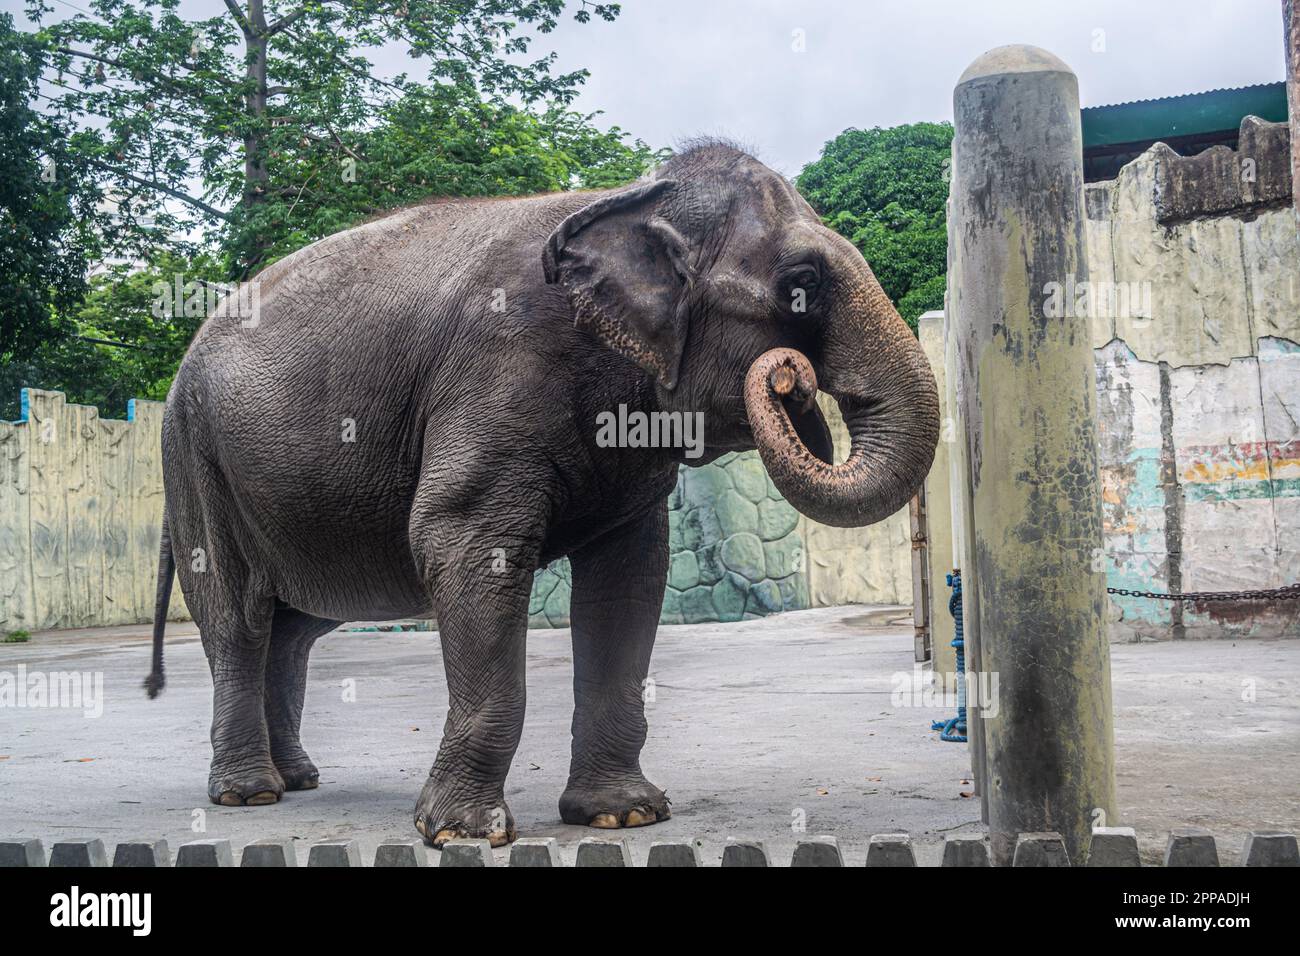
x: 754, y: 727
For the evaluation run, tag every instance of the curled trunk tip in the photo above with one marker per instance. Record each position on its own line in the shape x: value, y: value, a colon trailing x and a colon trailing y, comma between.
x: 893, y: 441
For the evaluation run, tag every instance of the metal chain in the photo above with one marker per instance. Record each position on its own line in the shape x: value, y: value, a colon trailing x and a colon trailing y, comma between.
x: 1289, y: 593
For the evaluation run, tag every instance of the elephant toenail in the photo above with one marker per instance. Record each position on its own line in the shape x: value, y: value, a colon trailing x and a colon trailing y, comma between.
x: 230, y: 799
x: 604, y: 821
x: 637, y: 818
x: 263, y: 798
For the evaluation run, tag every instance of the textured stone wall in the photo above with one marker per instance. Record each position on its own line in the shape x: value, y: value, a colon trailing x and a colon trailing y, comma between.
x: 871, y: 565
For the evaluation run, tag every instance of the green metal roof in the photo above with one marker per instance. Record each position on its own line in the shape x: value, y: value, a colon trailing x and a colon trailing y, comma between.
x: 1189, y: 115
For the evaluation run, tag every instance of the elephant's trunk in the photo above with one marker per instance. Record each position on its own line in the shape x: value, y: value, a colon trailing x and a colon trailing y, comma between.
x: 875, y: 369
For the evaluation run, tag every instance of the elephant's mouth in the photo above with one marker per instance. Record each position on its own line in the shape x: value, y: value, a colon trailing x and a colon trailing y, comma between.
x: 810, y: 425
x: 892, y: 439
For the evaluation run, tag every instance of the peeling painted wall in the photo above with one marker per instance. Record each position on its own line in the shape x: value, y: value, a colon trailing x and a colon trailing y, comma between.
x: 1199, y: 398
x: 1198, y: 385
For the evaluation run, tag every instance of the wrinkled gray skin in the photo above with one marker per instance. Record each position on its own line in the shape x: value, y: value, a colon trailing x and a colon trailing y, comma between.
x: 473, y: 343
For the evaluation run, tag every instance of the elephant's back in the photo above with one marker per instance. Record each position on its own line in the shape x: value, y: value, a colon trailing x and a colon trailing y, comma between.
x: 386, y: 287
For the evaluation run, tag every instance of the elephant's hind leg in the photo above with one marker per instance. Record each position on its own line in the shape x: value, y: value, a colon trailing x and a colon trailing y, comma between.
x: 292, y: 635
x: 236, y: 638
x: 618, y: 588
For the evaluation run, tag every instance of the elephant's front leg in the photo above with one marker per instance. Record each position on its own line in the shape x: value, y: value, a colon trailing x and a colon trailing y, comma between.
x: 618, y: 589
x: 480, y: 583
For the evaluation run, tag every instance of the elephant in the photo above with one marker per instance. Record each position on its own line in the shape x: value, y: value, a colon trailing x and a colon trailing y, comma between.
x: 407, y: 427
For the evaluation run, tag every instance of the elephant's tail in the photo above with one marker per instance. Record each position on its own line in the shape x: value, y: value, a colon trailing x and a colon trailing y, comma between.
x: 166, y: 571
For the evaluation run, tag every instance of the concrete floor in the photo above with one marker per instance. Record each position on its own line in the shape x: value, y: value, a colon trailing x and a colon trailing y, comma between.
x: 754, y: 727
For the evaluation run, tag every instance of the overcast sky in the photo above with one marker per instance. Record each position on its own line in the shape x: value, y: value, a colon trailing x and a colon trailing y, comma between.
x: 669, y: 69
x: 666, y: 69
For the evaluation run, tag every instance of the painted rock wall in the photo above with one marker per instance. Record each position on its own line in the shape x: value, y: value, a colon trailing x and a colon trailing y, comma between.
x: 736, y: 552
x: 739, y: 550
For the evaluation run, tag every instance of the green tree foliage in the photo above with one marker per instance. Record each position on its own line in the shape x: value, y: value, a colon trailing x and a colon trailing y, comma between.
x: 214, y: 146
x: 444, y: 141
x: 251, y: 106
x: 885, y: 190
x: 123, y: 340
x: 46, y: 217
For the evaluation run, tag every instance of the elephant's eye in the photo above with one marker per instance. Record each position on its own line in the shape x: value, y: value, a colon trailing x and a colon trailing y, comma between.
x: 801, y: 284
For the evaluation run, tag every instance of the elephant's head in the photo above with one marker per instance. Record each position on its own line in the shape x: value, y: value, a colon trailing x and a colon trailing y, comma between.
x: 719, y: 280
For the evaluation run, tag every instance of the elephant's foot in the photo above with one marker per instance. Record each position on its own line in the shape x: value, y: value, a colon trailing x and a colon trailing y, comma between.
x: 609, y: 805
x: 297, y: 770
x: 245, y: 787
x: 441, y: 817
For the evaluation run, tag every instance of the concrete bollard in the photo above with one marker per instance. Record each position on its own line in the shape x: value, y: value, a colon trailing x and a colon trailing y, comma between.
x: 890, y: 849
x: 965, y: 851
x: 1270, y: 848
x: 142, y: 853
x: 674, y: 854
x: 88, y: 851
x: 1291, y: 37
x: 535, y: 852
x: 963, y: 529
x: 1191, y: 846
x: 938, y: 508
x: 1040, y: 849
x: 335, y: 853
x: 817, y: 851
x: 269, y: 853
x: 402, y: 854
x: 744, y: 853
x: 1027, y: 394
x: 1113, y: 846
x: 205, y: 853
x: 467, y: 853
x: 21, y: 853
x: 593, y: 851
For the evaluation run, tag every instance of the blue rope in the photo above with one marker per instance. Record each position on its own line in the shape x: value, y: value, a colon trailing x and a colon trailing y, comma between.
x: 953, y: 730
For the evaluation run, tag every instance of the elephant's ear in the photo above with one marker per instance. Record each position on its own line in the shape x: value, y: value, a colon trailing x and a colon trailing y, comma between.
x: 626, y: 270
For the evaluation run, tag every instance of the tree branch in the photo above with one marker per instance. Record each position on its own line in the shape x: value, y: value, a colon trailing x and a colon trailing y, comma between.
x: 289, y: 19
x: 286, y: 21
x: 242, y: 20
x: 158, y: 77
x: 162, y: 188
